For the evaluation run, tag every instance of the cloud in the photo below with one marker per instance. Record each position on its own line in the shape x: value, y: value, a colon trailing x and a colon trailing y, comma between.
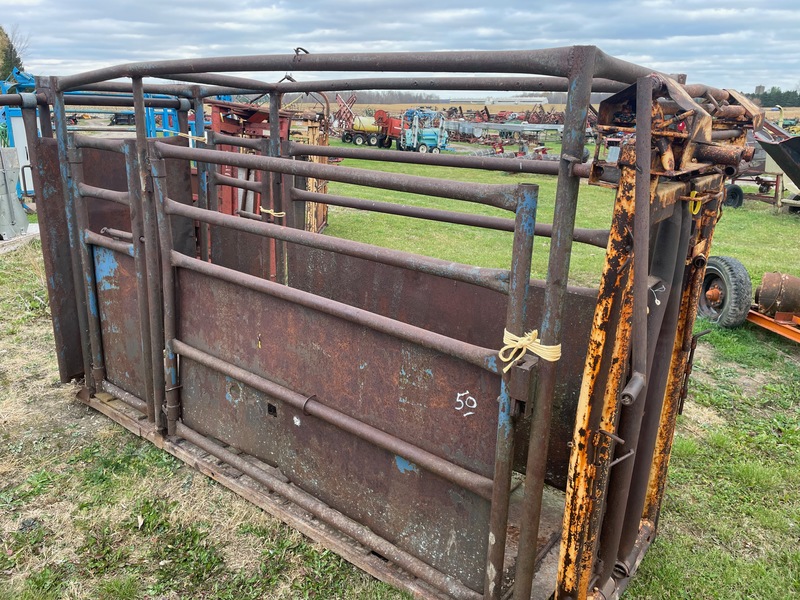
x: 734, y: 44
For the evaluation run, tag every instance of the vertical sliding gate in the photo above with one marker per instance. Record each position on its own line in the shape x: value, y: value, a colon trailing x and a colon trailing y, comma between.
x: 443, y: 426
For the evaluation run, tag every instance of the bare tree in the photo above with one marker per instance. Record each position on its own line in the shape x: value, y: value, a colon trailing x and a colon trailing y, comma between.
x: 13, y: 46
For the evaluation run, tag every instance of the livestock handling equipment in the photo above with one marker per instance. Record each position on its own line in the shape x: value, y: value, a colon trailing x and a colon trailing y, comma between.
x: 380, y: 401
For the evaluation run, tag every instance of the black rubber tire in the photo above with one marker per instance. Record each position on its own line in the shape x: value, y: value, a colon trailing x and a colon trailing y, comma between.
x: 734, y: 196
x: 372, y: 139
x: 422, y: 148
x: 728, y: 277
x: 794, y: 210
x: 387, y: 143
x: 347, y: 137
x: 359, y: 139
x: 435, y: 150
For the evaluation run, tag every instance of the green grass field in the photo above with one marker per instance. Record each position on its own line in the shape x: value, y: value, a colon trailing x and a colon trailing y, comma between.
x: 89, y: 511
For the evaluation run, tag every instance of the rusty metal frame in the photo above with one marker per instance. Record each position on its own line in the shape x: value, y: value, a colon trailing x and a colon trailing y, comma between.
x: 634, y: 366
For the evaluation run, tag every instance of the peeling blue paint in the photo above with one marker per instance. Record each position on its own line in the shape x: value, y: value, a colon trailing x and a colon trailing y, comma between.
x: 105, y: 268
x: 491, y: 363
x: 405, y: 466
x: 229, y: 383
x: 362, y: 366
x: 504, y: 411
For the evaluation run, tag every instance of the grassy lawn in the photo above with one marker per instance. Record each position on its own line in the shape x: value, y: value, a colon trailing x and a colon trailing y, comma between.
x: 87, y: 510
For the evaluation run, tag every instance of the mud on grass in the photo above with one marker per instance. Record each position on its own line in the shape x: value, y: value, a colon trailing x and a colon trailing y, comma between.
x: 88, y: 510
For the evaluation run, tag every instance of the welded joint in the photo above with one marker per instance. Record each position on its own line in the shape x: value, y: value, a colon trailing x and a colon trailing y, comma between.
x: 572, y: 161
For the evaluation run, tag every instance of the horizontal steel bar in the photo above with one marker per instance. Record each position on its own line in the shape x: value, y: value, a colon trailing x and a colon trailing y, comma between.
x: 245, y: 184
x: 499, y: 84
x: 117, y: 233
x: 332, y: 517
x: 99, y: 143
x: 96, y: 239
x: 484, y: 358
x: 593, y: 237
x: 90, y: 191
x: 170, y: 89
x: 214, y: 137
x: 500, y: 196
x: 493, y: 279
x: 487, y: 163
x: 109, y: 128
x: 445, y: 469
x: 126, y: 397
x: 550, y: 61
x: 248, y: 215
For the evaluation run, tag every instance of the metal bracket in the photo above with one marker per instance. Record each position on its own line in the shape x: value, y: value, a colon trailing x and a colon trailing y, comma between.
x: 522, y: 383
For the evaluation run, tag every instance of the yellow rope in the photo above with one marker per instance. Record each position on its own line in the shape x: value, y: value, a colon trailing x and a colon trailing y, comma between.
x: 196, y: 138
x: 269, y: 211
x: 515, y: 348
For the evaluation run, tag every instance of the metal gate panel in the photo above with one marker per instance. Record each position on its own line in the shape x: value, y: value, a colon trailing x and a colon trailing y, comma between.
x: 120, y: 326
x: 347, y: 366
x: 398, y: 387
x: 460, y: 310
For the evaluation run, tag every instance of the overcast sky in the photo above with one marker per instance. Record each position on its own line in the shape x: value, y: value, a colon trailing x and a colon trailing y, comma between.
x: 731, y: 44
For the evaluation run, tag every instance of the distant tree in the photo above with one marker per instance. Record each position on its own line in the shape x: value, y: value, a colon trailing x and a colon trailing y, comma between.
x: 13, y: 45
x: 775, y: 96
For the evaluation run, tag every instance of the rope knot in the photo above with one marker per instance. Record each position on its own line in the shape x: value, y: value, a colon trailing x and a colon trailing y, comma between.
x: 269, y: 211
x: 517, y: 346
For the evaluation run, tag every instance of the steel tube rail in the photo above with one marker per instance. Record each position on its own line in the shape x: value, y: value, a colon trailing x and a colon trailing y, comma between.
x: 117, y: 233
x: 592, y: 237
x: 552, y: 61
x: 499, y: 196
x: 181, y: 91
x: 214, y: 137
x: 95, y: 239
x: 90, y: 191
x: 500, y: 84
x: 75, y: 162
x: 577, y: 109
x: 486, y: 163
x: 516, y: 312
x: 126, y: 397
x: 493, y: 279
x: 332, y: 517
x: 245, y: 184
x: 475, y: 355
x: 99, y: 143
x: 137, y: 237
x: 81, y: 299
x: 478, y: 484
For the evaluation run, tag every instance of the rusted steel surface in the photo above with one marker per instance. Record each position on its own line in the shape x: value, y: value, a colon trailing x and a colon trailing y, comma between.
x: 778, y: 292
x: 364, y: 384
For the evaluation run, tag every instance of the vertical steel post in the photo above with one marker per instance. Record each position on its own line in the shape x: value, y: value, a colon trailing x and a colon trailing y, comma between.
x: 159, y: 172
x: 60, y: 118
x: 75, y: 158
x: 519, y: 282
x: 277, y: 184
x: 139, y: 165
x: 202, y: 170
x: 140, y: 262
x: 634, y: 394
x: 577, y: 110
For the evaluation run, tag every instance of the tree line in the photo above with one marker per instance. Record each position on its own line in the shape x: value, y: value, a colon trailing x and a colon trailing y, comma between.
x: 775, y: 96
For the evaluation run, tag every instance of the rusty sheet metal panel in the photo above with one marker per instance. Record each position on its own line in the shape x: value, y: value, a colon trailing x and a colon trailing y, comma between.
x: 399, y: 387
x: 119, y: 320
x: 466, y: 312
x: 57, y: 262
x: 107, y: 171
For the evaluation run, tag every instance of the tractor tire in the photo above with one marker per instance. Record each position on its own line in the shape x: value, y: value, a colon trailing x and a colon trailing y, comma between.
x: 727, y: 292
x: 435, y: 150
x: 347, y: 137
x: 422, y: 149
x: 359, y: 139
x: 734, y: 196
x: 372, y: 139
x: 387, y: 143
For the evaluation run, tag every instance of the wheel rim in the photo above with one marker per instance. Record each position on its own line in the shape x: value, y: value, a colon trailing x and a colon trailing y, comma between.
x: 713, y: 296
x: 422, y: 149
